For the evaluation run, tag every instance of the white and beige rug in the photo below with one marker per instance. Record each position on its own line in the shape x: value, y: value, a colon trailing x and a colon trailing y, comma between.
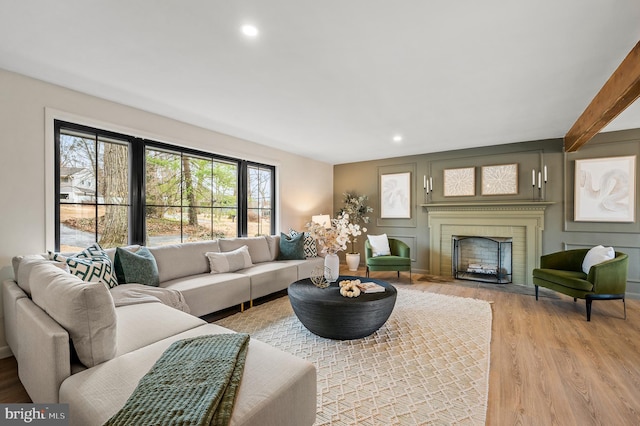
x: 429, y: 364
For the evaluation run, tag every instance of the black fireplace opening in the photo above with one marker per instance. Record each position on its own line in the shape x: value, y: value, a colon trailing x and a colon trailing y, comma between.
x: 486, y: 259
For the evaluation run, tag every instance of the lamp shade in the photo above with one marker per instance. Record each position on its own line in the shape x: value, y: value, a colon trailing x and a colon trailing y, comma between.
x: 322, y: 219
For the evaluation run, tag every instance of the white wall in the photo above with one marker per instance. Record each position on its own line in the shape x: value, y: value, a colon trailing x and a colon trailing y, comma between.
x: 305, y: 186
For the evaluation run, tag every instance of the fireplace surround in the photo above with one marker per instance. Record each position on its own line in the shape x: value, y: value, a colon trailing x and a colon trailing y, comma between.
x: 522, y: 221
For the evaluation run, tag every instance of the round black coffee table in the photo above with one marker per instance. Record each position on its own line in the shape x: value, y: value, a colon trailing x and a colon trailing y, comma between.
x: 326, y: 313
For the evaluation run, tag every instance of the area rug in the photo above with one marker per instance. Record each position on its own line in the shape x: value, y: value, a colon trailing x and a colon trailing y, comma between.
x: 429, y: 364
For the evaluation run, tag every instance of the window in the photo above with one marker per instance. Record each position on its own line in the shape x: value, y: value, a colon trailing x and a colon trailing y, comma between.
x: 116, y: 189
x: 189, y: 198
x: 259, y: 200
x: 93, y: 191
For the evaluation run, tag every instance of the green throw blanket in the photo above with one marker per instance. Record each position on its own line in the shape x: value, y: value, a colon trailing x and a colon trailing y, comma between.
x: 193, y: 383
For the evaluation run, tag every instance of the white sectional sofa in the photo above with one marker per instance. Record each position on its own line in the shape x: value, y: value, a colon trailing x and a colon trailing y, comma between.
x: 87, y: 345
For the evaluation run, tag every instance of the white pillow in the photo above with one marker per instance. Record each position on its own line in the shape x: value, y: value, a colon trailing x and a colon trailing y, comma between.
x: 379, y: 245
x: 229, y: 261
x: 597, y: 254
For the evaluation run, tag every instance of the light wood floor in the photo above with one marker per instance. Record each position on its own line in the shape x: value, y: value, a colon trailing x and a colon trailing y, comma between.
x: 549, y: 366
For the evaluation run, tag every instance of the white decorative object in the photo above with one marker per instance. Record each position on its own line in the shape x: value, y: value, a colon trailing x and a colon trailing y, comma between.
x: 500, y: 180
x: 605, y: 189
x: 353, y: 261
x: 459, y: 182
x: 349, y: 288
x: 595, y: 255
x: 379, y: 245
x: 332, y: 267
x: 395, y: 196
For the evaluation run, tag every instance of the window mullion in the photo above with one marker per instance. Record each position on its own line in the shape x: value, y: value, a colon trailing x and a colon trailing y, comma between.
x: 137, y: 231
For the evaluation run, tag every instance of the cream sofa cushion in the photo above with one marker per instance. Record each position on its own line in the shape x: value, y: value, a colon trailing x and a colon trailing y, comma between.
x: 146, y: 323
x: 182, y: 260
x: 258, y: 247
x: 276, y: 388
x: 230, y: 261
x: 22, y: 266
x: 85, y: 310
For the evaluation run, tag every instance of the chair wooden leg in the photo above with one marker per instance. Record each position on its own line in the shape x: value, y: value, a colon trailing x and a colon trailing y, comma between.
x: 398, y: 274
x: 536, y: 292
x: 589, y: 309
x: 367, y: 268
x: 625, y: 308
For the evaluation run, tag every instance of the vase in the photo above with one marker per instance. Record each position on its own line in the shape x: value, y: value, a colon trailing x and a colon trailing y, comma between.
x: 353, y: 261
x: 332, y: 263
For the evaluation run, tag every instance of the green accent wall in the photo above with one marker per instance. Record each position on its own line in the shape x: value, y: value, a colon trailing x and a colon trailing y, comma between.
x: 561, y: 231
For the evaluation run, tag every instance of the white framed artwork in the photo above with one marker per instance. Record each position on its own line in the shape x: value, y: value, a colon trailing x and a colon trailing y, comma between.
x: 500, y: 180
x: 395, y: 196
x: 460, y: 182
x: 605, y: 189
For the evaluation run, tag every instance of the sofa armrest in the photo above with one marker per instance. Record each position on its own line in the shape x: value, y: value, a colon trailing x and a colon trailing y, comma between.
x: 44, y: 357
x: 610, y: 277
x: 11, y: 293
x: 568, y: 260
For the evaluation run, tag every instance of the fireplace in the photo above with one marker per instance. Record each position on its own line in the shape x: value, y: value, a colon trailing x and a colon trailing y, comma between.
x: 486, y: 259
x: 523, y: 221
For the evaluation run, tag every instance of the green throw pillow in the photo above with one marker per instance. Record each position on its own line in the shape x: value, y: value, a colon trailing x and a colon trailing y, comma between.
x: 139, y: 267
x: 291, y: 248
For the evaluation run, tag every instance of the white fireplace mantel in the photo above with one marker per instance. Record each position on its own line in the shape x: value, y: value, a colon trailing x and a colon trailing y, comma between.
x: 521, y: 220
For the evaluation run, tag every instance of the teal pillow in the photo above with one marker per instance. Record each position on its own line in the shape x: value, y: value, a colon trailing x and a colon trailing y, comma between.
x: 291, y: 248
x: 139, y: 267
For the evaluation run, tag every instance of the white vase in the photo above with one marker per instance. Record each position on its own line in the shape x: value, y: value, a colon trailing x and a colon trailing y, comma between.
x: 332, y: 265
x: 353, y: 261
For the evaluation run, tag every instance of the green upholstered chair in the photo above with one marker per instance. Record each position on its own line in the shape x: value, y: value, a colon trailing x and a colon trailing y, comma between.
x: 399, y: 260
x: 562, y: 272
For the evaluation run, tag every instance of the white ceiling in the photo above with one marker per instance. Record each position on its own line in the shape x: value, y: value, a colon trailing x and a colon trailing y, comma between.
x: 335, y: 80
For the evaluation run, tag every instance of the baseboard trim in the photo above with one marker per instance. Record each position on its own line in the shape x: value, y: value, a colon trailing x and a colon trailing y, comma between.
x: 5, y: 352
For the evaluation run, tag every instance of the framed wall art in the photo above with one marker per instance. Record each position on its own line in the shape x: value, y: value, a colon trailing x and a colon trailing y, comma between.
x: 605, y: 189
x: 395, y: 195
x: 460, y: 182
x: 500, y: 180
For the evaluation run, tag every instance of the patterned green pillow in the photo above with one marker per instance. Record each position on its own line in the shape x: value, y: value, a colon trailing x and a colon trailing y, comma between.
x: 291, y: 248
x: 90, y: 265
x: 310, y: 249
x: 139, y: 267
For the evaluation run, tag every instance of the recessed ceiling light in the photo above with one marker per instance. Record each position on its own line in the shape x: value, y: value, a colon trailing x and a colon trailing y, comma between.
x: 249, y: 30
x: 397, y: 138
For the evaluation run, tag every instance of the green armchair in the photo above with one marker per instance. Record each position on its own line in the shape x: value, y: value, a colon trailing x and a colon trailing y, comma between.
x: 562, y: 272
x: 399, y: 260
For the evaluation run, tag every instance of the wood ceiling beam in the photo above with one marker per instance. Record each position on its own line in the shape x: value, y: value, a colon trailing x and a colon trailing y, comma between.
x: 620, y: 91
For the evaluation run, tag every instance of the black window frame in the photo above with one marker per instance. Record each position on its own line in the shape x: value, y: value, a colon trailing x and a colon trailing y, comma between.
x: 137, y: 173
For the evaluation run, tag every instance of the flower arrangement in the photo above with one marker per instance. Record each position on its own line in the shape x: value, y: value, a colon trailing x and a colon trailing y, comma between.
x: 334, y: 239
x: 355, y: 206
